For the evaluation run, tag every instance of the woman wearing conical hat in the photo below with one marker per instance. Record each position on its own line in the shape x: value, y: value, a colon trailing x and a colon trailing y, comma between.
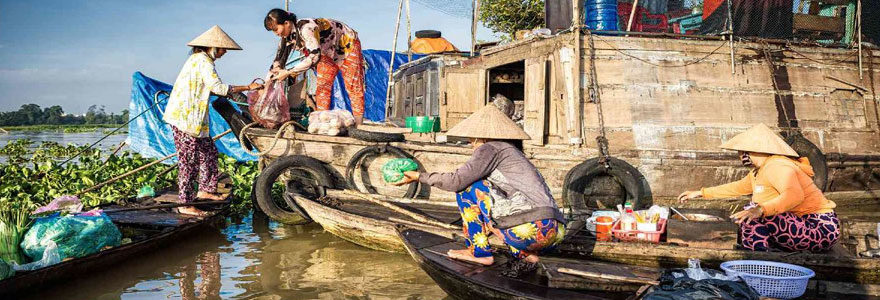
x: 187, y: 113
x: 788, y: 212
x: 499, y: 191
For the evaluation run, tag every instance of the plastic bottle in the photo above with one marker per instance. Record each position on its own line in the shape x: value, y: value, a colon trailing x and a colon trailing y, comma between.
x: 628, y: 220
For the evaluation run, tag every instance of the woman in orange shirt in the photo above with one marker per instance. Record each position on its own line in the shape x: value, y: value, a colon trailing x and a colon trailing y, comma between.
x: 788, y: 212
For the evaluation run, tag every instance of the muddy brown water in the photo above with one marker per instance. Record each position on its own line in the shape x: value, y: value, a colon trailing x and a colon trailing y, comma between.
x: 255, y: 258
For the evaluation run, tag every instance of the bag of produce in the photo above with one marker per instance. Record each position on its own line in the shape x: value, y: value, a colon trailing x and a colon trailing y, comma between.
x: 269, y: 106
x: 393, y: 170
x: 76, y: 236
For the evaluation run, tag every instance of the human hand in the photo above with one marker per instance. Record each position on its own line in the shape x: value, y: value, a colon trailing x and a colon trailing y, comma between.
x: 748, y: 215
x: 280, y: 74
x: 684, y: 197
x: 254, y: 86
x: 408, y: 177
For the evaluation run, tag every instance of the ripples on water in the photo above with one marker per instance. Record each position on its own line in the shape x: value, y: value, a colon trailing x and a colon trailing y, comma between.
x: 257, y: 259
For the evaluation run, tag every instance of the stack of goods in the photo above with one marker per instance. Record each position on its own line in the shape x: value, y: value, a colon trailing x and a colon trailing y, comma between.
x: 508, y: 77
x: 642, y: 225
x: 330, y: 122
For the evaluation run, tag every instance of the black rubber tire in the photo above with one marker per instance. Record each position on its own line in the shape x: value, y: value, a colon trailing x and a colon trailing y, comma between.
x: 236, y: 120
x: 807, y: 149
x: 270, y: 174
x: 375, y: 137
x: 357, y: 159
x: 638, y: 191
x: 428, y: 34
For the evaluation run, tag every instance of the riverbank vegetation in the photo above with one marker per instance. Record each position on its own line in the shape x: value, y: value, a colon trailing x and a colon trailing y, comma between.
x: 78, y: 128
x: 32, y: 114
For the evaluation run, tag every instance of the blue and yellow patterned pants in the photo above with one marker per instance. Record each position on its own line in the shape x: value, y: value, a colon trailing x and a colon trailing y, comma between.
x: 475, y: 205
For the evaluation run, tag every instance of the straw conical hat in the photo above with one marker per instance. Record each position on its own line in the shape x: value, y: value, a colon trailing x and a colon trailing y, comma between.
x: 489, y: 123
x: 215, y: 37
x: 761, y: 139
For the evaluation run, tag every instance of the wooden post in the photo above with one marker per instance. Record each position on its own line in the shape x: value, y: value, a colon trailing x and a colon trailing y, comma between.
x: 632, y: 15
x: 730, y: 27
x: 408, y: 34
x: 576, y: 133
x: 475, y: 5
x: 287, y: 5
x: 393, y: 54
x: 859, y: 19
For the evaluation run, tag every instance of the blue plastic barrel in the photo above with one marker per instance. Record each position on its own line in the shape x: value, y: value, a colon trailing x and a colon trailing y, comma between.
x: 600, y: 14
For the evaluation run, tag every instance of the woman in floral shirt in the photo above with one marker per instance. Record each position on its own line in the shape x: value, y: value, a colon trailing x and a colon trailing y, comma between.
x: 187, y: 113
x: 329, y: 46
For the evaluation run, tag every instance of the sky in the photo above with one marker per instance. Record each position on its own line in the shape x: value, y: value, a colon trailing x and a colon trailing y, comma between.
x: 77, y: 53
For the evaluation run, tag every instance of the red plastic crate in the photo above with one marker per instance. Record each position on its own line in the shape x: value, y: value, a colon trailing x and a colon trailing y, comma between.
x: 638, y: 236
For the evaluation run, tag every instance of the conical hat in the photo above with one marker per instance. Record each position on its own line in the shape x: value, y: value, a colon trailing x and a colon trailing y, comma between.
x: 761, y: 139
x: 489, y: 123
x: 215, y: 37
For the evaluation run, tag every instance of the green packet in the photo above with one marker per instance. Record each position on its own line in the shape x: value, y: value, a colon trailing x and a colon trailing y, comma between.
x: 393, y: 170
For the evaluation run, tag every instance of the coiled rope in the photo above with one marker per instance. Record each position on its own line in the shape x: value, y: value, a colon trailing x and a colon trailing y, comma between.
x: 278, y: 135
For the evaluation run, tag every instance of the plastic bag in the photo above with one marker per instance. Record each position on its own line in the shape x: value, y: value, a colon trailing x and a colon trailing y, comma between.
x: 146, y: 191
x: 676, y: 285
x: 269, y: 106
x: 66, y: 202
x: 50, y: 256
x: 392, y: 171
x: 75, y: 236
x: 6, y: 270
x: 330, y: 122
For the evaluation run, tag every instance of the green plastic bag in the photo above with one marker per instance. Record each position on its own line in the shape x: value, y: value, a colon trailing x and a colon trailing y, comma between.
x: 76, y: 236
x: 6, y: 270
x: 393, y: 170
x: 146, y: 191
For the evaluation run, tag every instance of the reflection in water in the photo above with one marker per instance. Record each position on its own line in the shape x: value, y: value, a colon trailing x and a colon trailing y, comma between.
x: 256, y: 259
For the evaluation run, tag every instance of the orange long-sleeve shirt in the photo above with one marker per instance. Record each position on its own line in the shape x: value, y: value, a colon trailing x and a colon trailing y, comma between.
x: 781, y: 185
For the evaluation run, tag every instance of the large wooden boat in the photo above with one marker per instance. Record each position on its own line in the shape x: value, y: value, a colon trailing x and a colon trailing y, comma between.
x: 662, y: 103
x: 150, y: 227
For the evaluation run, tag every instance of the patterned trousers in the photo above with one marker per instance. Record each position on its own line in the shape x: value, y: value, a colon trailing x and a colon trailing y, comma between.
x: 475, y: 205
x: 352, y: 76
x: 788, y: 232
x: 197, y: 160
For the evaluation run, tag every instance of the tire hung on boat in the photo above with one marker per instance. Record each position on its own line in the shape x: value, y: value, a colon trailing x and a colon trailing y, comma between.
x: 358, y: 159
x: 303, y: 175
x: 585, y: 178
x: 805, y: 148
x: 374, y: 136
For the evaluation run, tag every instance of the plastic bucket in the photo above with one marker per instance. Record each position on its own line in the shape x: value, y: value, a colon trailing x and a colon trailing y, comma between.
x: 422, y: 124
x: 601, y: 14
x: 603, y: 228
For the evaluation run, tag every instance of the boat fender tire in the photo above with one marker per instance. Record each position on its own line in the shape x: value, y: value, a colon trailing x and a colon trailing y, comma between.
x: 267, y: 178
x: 577, y: 179
x: 428, y: 34
x: 236, y: 120
x: 375, y: 137
x: 805, y: 148
x: 376, y: 150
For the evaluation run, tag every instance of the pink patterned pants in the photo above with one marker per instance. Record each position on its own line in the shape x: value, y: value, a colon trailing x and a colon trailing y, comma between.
x: 197, y: 161
x: 789, y: 232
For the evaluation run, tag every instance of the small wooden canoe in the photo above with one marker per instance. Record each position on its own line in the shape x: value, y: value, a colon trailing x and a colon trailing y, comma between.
x: 149, y: 227
x: 464, y: 280
x: 373, y: 226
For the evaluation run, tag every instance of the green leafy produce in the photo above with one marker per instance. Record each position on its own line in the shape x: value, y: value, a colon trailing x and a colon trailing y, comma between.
x: 392, y: 171
x: 14, y: 220
x: 6, y: 270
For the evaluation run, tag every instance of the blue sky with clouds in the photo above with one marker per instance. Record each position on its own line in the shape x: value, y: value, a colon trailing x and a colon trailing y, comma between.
x: 77, y: 53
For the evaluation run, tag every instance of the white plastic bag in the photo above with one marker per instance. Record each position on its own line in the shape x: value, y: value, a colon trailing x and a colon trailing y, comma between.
x: 51, y: 256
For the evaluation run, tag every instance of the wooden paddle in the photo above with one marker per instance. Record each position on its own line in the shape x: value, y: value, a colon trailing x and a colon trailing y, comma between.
x: 593, y: 275
x: 417, y: 216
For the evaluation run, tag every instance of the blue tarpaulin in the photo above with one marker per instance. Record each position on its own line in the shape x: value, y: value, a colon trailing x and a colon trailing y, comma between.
x: 152, y: 137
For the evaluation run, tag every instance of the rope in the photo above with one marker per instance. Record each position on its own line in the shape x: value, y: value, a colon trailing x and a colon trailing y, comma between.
x: 656, y: 64
x: 834, y: 62
x: 601, y: 139
x: 274, y: 142
x: 155, y: 102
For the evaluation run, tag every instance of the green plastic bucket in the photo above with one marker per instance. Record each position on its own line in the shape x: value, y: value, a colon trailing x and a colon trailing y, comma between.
x: 422, y: 124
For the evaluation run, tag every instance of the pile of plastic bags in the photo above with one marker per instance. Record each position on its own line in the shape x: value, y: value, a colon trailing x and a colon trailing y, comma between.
x: 330, y: 122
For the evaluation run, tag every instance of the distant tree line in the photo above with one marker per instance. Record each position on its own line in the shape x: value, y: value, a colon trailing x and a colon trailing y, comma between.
x: 32, y: 114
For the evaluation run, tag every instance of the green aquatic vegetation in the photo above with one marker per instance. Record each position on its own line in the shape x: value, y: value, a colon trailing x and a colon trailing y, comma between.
x: 14, y: 221
x: 71, y: 128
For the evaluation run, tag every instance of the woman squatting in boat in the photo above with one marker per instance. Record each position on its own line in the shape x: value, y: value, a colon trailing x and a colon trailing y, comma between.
x: 788, y: 212
x: 499, y: 191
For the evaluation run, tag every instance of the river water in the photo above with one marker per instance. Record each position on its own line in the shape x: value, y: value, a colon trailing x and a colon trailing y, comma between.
x: 250, y: 258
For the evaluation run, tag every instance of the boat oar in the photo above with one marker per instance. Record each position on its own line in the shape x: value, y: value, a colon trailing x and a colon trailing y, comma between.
x: 141, y: 168
x: 417, y: 216
x: 594, y: 275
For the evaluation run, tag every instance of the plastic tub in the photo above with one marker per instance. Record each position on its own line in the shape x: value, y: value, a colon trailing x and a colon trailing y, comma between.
x: 422, y: 124
x: 601, y: 14
x: 652, y: 236
x: 771, y: 279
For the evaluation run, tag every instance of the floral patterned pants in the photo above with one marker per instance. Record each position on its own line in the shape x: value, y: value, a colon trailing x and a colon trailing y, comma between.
x: 352, y: 76
x: 197, y: 160
x: 789, y: 232
x: 475, y: 205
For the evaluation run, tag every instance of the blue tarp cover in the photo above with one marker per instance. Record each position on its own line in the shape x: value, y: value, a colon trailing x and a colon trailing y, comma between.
x: 152, y: 137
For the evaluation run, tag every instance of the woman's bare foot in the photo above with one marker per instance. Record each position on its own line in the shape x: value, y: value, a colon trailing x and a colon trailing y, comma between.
x: 210, y: 196
x: 192, y: 211
x: 468, y: 255
x: 531, y: 259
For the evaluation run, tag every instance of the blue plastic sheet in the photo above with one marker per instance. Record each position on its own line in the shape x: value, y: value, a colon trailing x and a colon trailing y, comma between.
x: 150, y: 136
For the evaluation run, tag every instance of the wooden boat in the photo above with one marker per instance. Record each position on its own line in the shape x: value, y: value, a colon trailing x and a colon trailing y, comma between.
x: 150, y: 224
x: 464, y: 280
x: 371, y: 225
